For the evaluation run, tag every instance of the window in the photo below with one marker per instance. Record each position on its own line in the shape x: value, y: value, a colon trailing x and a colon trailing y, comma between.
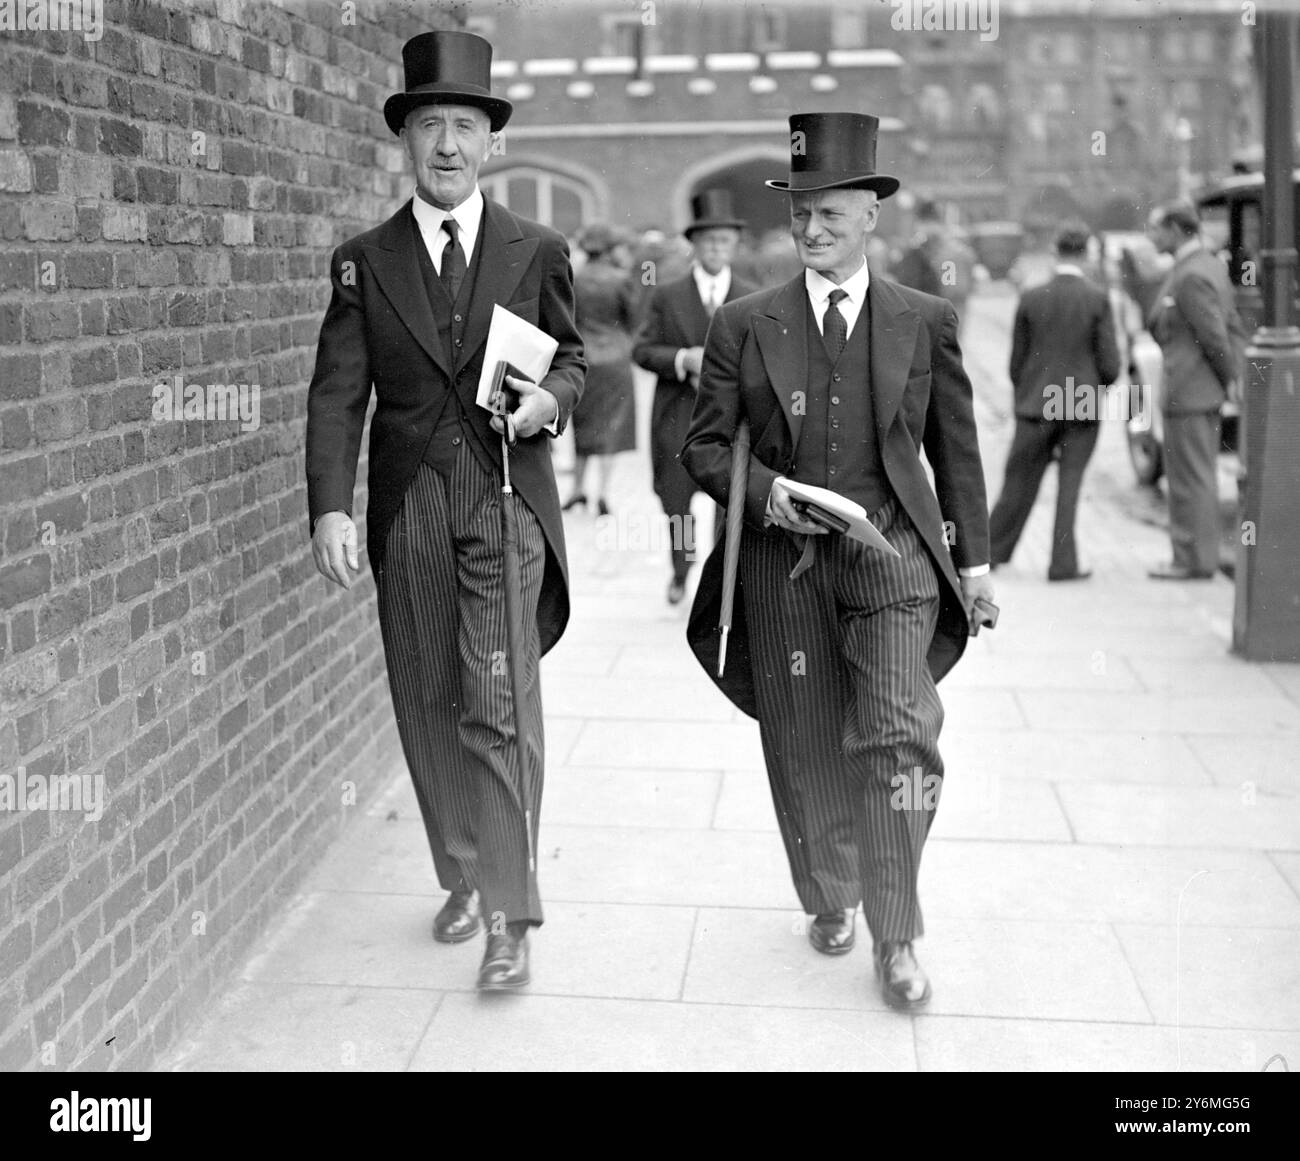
x: 768, y: 30
x: 848, y: 24
x: 550, y: 198
x: 936, y: 107
x: 986, y: 109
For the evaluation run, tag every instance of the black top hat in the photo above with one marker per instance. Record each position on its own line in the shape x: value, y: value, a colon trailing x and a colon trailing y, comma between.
x: 834, y: 151
x: 710, y: 210
x: 447, y: 68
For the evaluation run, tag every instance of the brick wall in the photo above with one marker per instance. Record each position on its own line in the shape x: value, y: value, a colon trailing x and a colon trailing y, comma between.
x: 169, y: 197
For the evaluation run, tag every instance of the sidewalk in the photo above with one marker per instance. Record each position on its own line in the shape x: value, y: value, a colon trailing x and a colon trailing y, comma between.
x: 1112, y: 882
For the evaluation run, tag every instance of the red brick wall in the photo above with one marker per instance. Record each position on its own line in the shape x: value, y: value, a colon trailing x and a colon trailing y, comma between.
x: 169, y: 198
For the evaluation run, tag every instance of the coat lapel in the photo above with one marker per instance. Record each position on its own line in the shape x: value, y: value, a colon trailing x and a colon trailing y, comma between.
x: 782, y: 338
x: 893, y: 339
x: 505, y: 258
x: 397, y: 270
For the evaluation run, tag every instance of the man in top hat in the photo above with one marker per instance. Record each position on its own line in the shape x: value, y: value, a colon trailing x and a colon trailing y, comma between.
x: 835, y: 647
x: 409, y: 315
x: 670, y: 343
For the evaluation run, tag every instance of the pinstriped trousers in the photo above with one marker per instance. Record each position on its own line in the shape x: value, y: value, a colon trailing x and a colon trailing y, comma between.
x: 442, y: 617
x: 847, y: 705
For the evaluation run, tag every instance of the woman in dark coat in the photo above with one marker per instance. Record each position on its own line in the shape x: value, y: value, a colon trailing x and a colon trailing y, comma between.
x: 604, y: 422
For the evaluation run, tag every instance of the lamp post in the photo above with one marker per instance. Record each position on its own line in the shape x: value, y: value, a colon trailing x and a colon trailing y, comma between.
x: 1266, y: 616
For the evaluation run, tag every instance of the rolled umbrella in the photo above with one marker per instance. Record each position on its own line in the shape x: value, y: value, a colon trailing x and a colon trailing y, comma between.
x: 512, y: 585
x: 731, y: 549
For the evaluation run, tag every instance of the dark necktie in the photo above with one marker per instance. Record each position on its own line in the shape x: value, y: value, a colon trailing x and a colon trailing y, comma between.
x: 453, y: 260
x: 834, y: 329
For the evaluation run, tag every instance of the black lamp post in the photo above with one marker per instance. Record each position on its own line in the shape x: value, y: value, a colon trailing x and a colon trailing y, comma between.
x: 1266, y: 618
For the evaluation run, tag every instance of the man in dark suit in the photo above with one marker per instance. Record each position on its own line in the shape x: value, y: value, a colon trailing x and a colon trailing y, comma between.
x: 671, y: 344
x: 1194, y: 319
x: 836, y: 647
x: 1063, y: 353
x: 412, y: 300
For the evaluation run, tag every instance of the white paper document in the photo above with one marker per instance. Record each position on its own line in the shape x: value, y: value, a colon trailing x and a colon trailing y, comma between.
x: 853, y: 513
x: 517, y: 342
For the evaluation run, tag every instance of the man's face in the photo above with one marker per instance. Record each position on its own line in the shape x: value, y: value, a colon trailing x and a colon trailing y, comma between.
x: 830, y: 229
x: 447, y: 144
x: 1164, y: 237
x: 715, y: 248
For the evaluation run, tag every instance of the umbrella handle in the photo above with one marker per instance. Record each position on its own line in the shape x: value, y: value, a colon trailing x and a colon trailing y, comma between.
x: 508, y: 439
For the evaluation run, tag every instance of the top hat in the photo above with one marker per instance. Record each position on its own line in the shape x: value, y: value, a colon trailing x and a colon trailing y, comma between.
x: 447, y: 68
x: 834, y: 151
x: 710, y: 210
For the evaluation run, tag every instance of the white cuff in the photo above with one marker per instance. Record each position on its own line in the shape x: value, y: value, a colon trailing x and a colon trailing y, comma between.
x: 974, y: 570
x: 678, y: 365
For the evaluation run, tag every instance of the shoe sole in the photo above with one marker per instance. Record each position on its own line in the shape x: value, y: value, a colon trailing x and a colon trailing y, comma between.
x: 513, y: 986
x: 463, y: 938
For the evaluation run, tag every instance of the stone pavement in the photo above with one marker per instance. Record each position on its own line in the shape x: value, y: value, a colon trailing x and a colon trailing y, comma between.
x: 1112, y: 881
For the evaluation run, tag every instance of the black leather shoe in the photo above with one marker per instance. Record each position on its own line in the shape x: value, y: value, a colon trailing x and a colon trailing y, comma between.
x: 676, y: 591
x: 458, y: 920
x: 832, y: 933
x: 902, y: 982
x: 505, y: 962
x: 1178, y: 572
x: 1082, y: 574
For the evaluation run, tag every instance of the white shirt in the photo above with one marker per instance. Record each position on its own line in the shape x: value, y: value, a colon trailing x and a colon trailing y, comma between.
x: 819, y: 291
x: 712, y: 288
x: 1069, y: 268
x: 469, y: 219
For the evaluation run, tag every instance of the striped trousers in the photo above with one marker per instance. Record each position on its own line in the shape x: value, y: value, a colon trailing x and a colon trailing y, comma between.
x: 848, y: 714
x: 442, y: 616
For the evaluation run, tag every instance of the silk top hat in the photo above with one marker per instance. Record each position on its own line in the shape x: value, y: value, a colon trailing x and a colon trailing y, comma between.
x: 834, y: 151
x: 711, y: 210
x: 447, y: 68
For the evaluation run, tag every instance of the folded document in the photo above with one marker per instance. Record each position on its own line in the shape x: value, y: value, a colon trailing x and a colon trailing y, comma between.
x: 838, y: 513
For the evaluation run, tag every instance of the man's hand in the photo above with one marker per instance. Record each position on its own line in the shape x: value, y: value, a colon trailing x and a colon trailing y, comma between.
x: 334, y: 548
x: 973, y: 587
x: 537, y: 407
x: 784, y: 514
x: 692, y: 361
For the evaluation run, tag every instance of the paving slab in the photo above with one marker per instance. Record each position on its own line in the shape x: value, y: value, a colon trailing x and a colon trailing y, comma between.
x: 1191, y: 714
x: 591, y: 796
x: 1199, y: 816
x: 1272, y: 763
x: 667, y: 745
x: 974, y: 1044
x: 1218, y: 977
x: 1063, y: 971
x: 1075, y: 756
x: 1074, y: 882
x: 530, y: 1033
x: 309, y: 1028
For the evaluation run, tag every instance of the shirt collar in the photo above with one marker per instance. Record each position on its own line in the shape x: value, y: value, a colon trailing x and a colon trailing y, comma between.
x: 1068, y: 268
x: 855, y: 286
x: 468, y: 215
x: 1186, y: 248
